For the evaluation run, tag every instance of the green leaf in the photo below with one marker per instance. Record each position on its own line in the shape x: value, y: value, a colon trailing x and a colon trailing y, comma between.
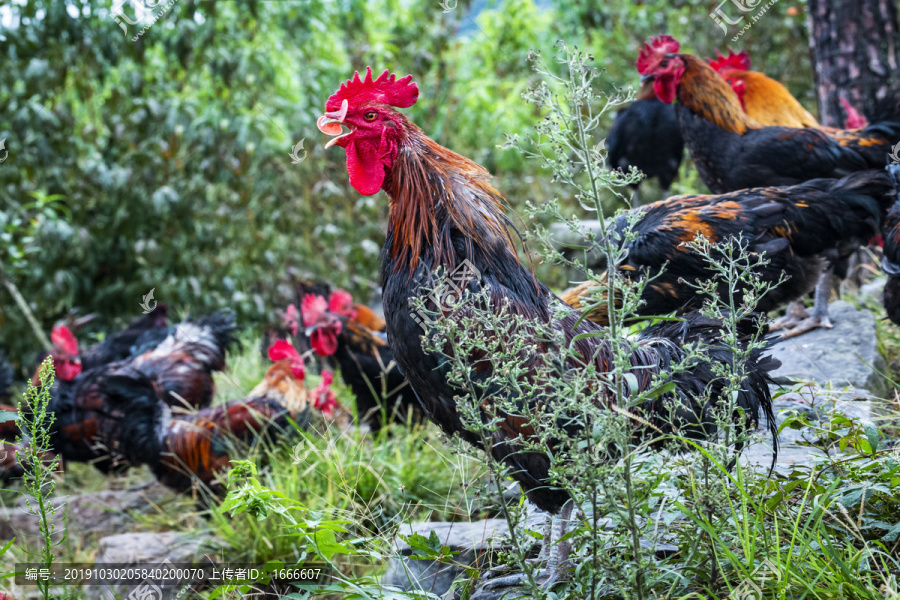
x: 872, y: 435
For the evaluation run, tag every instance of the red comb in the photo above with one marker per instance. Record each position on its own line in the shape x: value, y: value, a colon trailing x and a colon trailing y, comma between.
x: 341, y: 303
x: 386, y: 89
x: 653, y: 51
x: 62, y: 337
x: 738, y: 61
x: 282, y: 349
x: 312, y: 307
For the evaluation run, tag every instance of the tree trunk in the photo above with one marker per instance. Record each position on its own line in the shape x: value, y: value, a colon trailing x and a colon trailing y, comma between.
x: 855, y: 50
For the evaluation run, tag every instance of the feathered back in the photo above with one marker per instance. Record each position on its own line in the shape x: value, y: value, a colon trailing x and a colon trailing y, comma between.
x: 183, y: 362
x: 208, y: 339
x: 119, y: 345
x: 199, y: 447
x: 108, y: 420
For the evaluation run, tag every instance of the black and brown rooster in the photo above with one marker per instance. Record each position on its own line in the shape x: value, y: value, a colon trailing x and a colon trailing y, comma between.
x: 445, y: 214
x: 799, y: 228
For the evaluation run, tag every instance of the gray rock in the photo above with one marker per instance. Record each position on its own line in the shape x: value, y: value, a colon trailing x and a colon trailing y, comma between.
x: 474, y: 541
x: 816, y: 404
x: 871, y: 292
x: 846, y: 355
x: 98, y: 513
x: 152, y: 550
x: 149, y: 547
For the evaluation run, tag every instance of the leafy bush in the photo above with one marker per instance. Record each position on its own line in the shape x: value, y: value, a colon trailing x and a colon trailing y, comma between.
x: 170, y: 155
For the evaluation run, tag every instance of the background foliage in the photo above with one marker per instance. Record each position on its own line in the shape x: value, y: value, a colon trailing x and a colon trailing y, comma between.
x: 169, y: 156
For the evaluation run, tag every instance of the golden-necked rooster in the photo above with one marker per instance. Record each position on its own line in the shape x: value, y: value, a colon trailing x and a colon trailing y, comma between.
x: 443, y: 212
x: 767, y: 101
x: 800, y: 228
x: 336, y: 329
x: 733, y: 151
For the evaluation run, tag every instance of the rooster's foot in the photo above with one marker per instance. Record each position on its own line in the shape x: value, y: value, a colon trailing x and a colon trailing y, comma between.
x: 805, y: 325
x: 555, y: 555
x: 796, y: 314
x: 546, y: 578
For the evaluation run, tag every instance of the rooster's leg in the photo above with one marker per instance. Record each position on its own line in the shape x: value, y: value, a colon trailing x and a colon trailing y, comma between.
x: 555, y: 549
x: 819, y: 318
x: 544, y: 554
x: 557, y: 563
x: 795, y: 313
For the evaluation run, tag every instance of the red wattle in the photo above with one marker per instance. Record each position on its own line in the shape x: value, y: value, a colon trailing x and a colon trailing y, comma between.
x: 68, y: 370
x: 665, y: 87
x: 323, y: 342
x: 365, y: 168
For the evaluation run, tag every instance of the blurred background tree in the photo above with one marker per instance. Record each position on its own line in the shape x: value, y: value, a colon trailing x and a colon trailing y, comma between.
x: 169, y: 156
x: 856, y: 49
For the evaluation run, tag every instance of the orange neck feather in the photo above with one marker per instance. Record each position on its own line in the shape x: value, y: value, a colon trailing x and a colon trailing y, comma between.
x: 434, y: 190
x: 367, y: 317
x: 704, y: 92
x: 770, y: 103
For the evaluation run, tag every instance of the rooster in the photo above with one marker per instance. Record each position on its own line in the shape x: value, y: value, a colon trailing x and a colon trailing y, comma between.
x: 444, y: 211
x: 798, y: 227
x: 645, y: 135
x: 770, y: 103
x: 181, y: 359
x: 119, y: 418
x: 767, y: 101
x: 197, y: 447
x: 733, y: 151
x: 180, y: 363
x: 290, y: 318
x: 367, y: 364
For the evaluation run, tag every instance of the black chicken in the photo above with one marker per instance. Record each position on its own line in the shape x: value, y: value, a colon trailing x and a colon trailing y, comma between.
x: 646, y: 135
x: 180, y: 363
x: 365, y: 359
x: 196, y: 448
x: 799, y: 228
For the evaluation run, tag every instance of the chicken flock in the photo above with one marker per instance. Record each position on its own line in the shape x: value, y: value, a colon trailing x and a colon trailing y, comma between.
x: 802, y: 195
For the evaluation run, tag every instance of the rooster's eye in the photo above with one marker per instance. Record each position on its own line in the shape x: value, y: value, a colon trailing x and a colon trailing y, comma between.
x: 370, y: 115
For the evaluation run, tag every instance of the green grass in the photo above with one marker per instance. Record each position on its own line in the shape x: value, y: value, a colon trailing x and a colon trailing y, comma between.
x: 375, y: 482
x: 791, y: 535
